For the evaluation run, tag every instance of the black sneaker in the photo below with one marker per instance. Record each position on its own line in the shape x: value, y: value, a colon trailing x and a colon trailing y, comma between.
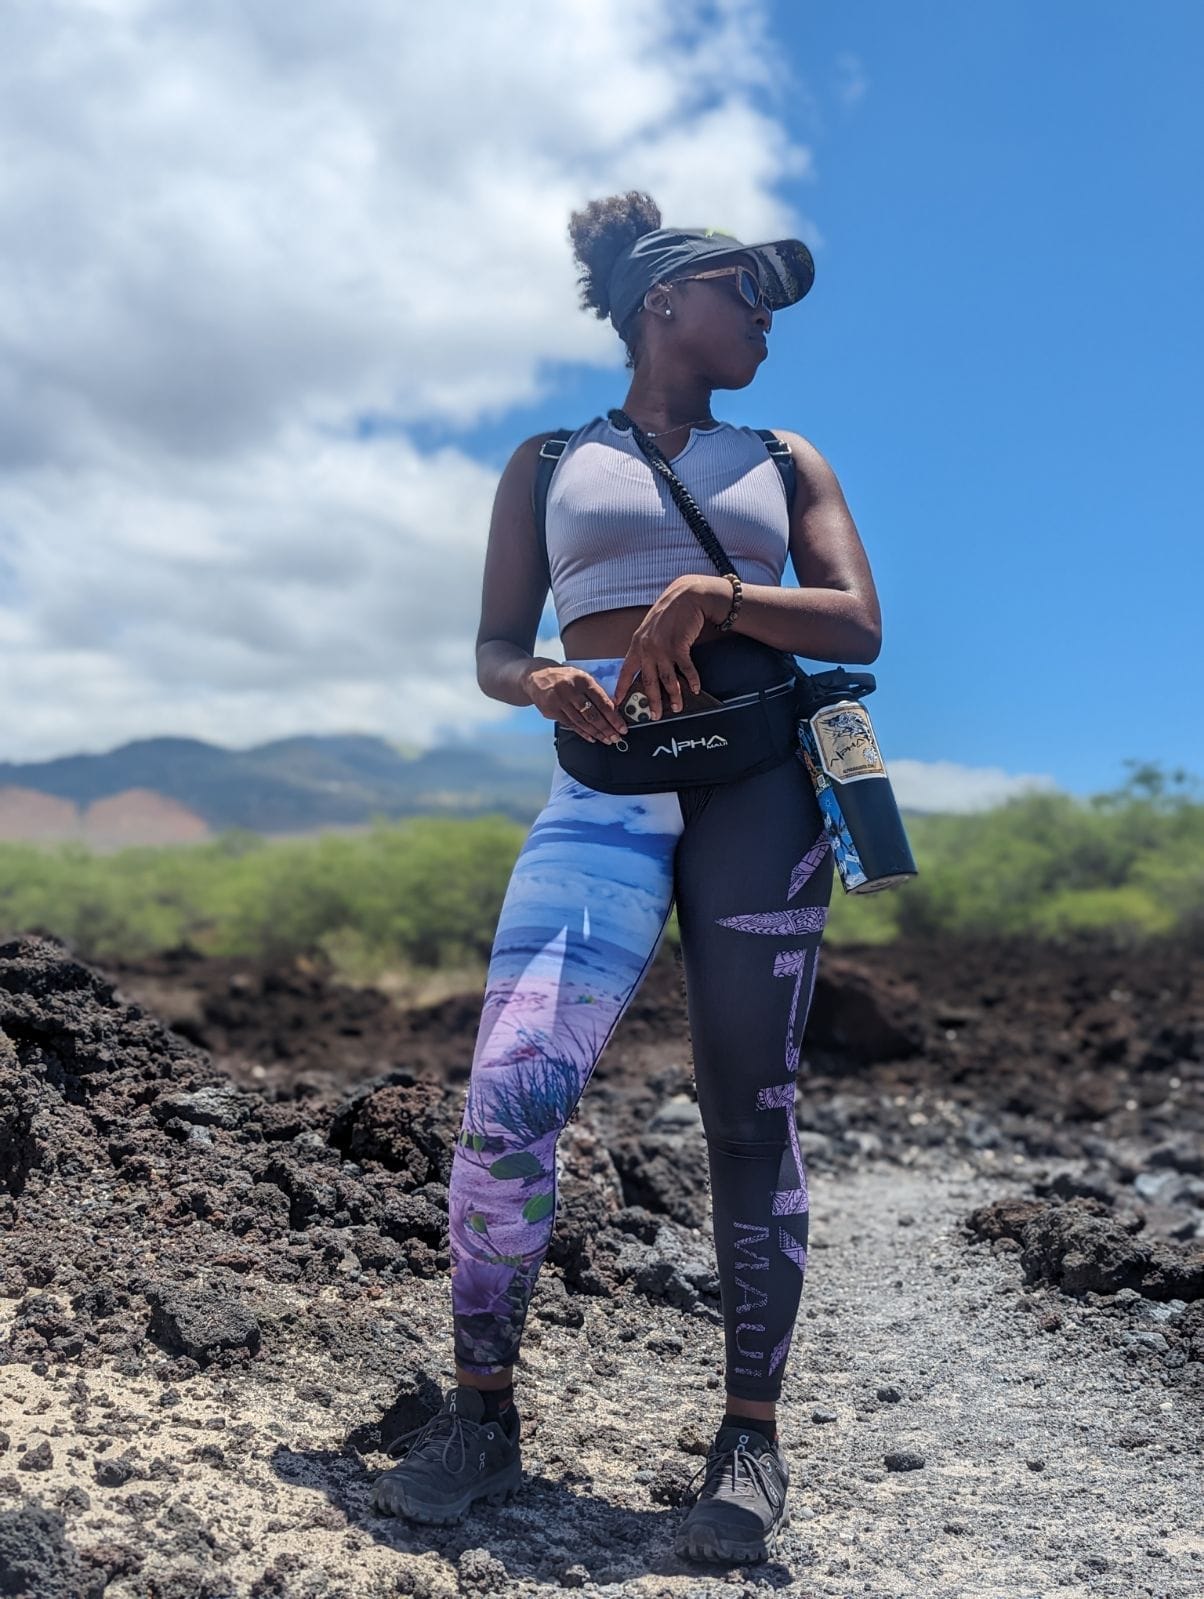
x: 741, y: 1506
x: 452, y: 1460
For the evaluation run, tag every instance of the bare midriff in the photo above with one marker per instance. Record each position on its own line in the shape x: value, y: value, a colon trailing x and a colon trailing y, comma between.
x: 607, y: 635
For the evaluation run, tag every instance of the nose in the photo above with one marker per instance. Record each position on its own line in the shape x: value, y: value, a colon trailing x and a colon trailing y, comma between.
x: 762, y: 316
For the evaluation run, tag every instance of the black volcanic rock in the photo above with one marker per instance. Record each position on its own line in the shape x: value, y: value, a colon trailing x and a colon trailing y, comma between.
x: 199, y: 1323
x: 37, y: 1560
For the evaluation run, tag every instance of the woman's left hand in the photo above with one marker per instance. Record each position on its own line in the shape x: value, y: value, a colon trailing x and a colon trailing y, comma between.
x: 659, y: 652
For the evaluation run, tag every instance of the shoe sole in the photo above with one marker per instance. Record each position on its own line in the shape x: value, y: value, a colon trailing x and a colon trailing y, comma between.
x: 707, y: 1545
x: 496, y: 1490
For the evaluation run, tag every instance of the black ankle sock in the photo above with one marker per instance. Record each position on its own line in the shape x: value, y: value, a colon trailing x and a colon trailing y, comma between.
x: 767, y: 1429
x: 496, y: 1400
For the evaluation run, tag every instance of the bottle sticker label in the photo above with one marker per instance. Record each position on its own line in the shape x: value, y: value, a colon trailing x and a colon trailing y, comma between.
x: 844, y: 738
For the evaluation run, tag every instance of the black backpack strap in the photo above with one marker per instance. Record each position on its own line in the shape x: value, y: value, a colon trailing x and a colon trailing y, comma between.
x: 783, y: 460
x: 550, y: 452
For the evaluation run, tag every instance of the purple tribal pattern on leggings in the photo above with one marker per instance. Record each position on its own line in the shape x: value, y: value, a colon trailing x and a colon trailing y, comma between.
x: 582, y: 917
x: 802, y: 965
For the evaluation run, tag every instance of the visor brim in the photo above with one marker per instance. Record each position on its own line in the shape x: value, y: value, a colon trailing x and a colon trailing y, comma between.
x: 786, y: 269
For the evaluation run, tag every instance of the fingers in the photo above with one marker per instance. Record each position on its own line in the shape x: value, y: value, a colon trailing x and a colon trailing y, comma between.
x: 591, y: 713
x: 581, y: 718
x: 685, y: 665
x: 660, y: 680
x: 671, y: 683
x: 628, y: 673
x: 650, y: 681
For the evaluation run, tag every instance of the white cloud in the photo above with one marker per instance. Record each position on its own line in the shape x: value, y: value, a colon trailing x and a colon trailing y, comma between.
x: 309, y: 586
x: 223, y: 215
x: 229, y: 229
x: 946, y: 786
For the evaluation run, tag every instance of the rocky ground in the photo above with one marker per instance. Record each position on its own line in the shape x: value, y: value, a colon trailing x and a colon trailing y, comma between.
x: 223, y: 1287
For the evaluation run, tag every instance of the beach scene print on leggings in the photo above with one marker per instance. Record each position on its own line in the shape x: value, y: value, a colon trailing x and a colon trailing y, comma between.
x: 581, y: 921
x: 786, y: 1228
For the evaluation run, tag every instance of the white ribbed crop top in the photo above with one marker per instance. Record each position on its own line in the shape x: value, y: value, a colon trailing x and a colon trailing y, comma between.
x: 616, y: 538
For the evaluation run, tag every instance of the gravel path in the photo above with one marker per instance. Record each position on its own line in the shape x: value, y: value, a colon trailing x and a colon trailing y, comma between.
x: 1055, y: 1462
x: 1058, y: 1459
x: 222, y: 1290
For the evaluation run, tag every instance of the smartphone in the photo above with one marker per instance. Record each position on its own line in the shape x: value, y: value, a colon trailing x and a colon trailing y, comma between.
x: 635, y: 707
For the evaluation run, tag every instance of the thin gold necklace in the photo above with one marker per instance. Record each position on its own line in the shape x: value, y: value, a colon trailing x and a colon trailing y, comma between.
x: 677, y: 427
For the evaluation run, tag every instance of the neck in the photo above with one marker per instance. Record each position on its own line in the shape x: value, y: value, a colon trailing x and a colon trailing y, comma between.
x: 663, y: 403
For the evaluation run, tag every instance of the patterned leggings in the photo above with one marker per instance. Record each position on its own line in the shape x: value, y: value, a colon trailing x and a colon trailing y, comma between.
x: 751, y: 872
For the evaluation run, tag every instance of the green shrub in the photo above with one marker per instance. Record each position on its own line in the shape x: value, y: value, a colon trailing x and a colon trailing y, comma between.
x: 426, y: 893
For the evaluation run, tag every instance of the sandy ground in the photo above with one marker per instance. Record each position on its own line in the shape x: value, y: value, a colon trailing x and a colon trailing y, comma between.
x: 996, y: 1388
x: 1057, y: 1460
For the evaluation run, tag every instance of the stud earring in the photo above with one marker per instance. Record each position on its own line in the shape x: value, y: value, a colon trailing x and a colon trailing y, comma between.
x: 668, y: 313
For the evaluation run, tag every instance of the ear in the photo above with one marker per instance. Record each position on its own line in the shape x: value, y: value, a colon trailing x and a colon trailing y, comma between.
x: 656, y: 300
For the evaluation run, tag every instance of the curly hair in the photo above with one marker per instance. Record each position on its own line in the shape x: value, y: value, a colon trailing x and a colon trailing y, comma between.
x: 599, y: 232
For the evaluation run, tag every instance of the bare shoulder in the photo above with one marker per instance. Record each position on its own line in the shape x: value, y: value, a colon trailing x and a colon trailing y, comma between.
x: 522, y: 460
x: 812, y: 467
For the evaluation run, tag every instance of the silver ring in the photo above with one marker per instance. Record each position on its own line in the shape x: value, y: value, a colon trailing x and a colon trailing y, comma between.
x: 586, y: 705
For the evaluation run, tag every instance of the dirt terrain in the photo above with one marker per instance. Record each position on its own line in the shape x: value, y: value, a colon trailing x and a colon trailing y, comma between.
x: 223, y: 1287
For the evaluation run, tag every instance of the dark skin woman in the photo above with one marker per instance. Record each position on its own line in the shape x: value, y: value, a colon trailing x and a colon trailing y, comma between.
x: 737, y: 844
x: 695, y: 337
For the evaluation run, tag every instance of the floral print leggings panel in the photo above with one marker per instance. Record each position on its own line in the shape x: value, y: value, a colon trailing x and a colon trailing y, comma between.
x: 751, y: 873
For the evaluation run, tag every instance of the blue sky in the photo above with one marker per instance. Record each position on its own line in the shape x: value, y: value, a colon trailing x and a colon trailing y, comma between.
x: 284, y: 285
x: 1002, y: 360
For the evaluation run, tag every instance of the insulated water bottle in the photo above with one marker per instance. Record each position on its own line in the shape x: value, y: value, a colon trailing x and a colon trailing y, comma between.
x: 838, y: 747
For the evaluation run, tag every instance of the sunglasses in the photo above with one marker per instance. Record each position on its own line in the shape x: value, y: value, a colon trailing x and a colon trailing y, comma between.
x: 747, y: 284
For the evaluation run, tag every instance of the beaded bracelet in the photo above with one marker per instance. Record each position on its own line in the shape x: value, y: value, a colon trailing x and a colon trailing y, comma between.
x: 737, y: 601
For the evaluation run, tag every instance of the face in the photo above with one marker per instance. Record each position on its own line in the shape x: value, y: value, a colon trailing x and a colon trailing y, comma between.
x: 711, y: 328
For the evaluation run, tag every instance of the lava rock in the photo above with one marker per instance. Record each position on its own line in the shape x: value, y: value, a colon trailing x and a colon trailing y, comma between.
x: 1081, y: 1252
x: 116, y: 1473
x: 903, y: 1460
x: 19, y: 1148
x: 666, y: 1174
x: 36, y: 1558
x: 409, y: 1127
x: 859, y: 1016
x: 1004, y: 1218
x: 199, y: 1322
x: 39, y: 1458
x: 481, y: 1572
x: 214, y: 1105
x: 415, y: 1215
x: 112, y: 1560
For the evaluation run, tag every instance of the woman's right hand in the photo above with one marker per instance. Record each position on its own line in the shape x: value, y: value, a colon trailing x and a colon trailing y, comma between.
x: 570, y: 696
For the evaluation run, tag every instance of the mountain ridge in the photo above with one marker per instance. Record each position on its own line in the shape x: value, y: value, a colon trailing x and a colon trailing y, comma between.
x: 289, y: 785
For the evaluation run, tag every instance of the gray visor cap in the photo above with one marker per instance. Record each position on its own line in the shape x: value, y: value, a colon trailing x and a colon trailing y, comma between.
x: 786, y: 268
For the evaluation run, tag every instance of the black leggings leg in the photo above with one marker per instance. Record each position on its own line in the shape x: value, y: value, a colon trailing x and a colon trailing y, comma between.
x: 753, y: 876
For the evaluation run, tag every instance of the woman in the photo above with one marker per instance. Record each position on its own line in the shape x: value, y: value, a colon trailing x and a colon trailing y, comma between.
x: 745, y: 861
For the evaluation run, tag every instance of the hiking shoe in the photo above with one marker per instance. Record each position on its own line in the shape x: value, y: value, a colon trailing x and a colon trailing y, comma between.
x: 452, y: 1460
x: 741, y: 1506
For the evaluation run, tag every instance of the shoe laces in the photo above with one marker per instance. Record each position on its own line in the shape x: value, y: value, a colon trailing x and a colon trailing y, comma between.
x: 440, y: 1435
x: 742, y: 1466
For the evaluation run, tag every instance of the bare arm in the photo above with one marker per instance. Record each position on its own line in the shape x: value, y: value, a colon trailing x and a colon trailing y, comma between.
x: 514, y: 588
x: 833, y: 615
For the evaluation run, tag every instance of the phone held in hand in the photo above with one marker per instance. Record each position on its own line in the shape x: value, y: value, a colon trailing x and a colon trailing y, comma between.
x: 635, y: 707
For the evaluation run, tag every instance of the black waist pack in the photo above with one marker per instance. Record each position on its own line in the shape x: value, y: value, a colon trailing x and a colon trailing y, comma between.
x: 747, y: 734
x: 754, y: 729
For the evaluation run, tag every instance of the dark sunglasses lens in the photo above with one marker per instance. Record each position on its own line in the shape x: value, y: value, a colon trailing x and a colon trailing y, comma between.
x: 749, y: 286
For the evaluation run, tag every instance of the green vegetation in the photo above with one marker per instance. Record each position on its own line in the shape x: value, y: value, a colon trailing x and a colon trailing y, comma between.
x: 1129, y: 864
x: 425, y: 893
